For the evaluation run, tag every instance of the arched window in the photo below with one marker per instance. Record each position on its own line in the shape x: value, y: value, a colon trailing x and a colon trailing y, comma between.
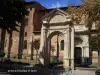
x: 25, y: 34
x: 62, y: 44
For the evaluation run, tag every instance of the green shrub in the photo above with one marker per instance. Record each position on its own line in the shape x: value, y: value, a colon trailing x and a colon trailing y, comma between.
x: 53, y: 59
x: 14, y: 56
x: 6, y: 60
x: 2, y: 54
x: 24, y: 57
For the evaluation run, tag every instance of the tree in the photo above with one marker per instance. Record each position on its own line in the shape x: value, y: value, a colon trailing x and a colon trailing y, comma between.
x: 91, y: 10
x: 36, y: 45
x: 52, y: 48
x: 76, y: 13
x: 3, y: 32
x: 95, y: 43
x: 12, y: 13
x: 32, y: 50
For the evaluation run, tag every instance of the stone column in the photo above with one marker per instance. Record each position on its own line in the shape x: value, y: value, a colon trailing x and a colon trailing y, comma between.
x: 46, y: 48
x: 83, y: 56
x: 57, y: 48
x: 60, y: 46
x: 41, y: 39
x: 41, y: 50
x: 72, y: 47
x: 66, y: 48
x: 49, y: 50
x: 60, y: 57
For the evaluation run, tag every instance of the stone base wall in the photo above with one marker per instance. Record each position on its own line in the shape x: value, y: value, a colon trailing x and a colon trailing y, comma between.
x: 94, y: 57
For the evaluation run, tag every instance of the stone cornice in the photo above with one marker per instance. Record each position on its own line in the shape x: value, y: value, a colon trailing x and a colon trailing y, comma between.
x: 60, y: 23
x: 56, y: 28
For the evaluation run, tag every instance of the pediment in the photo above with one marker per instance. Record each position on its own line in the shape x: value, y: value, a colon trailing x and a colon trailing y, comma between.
x: 56, y: 16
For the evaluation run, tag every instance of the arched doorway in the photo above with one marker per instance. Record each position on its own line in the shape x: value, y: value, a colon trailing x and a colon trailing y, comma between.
x: 78, y: 55
x: 54, y: 46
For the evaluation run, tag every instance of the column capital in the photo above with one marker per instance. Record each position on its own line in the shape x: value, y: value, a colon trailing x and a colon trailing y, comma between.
x: 66, y: 31
x: 67, y: 58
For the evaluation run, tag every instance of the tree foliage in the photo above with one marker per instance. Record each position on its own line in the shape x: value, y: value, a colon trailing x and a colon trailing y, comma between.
x: 36, y: 44
x: 2, y: 54
x: 89, y: 8
x: 76, y: 13
x: 11, y: 13
x: 92, y: 9
x: 95, y: 42
x: 52, y: 48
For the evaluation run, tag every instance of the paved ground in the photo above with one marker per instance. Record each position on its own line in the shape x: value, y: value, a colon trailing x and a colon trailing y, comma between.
x: 33, y: 70
x: 84, y: 72
x: 77, y: 72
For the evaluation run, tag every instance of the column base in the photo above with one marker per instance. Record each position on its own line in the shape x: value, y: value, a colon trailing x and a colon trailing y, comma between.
x: 72, y: 63
x: 66, y: 63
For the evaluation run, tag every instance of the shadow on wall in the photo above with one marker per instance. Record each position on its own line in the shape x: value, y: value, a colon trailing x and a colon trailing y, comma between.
x: 10, y: 44
x: 3, y: 33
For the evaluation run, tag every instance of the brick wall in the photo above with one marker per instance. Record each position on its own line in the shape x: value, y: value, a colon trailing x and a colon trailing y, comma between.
x: 33, y: 23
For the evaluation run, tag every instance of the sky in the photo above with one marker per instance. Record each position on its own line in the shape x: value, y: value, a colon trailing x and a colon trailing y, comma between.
x: 56, y: 3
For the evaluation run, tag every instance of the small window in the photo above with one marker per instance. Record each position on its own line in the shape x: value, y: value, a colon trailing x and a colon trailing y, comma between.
x: 62, y: 44
x: 25, y: 44
x: 25, y: 34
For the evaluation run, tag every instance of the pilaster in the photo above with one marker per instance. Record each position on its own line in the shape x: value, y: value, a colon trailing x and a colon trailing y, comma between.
x: 72, y: 47
x: 66, y: 49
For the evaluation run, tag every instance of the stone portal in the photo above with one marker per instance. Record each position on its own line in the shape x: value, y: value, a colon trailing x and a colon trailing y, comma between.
x: 57, y: 22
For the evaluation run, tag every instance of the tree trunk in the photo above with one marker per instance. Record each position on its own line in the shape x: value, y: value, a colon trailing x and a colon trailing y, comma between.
x: 99, y: 57
x: 32, y: 49
x: 10, y: 45
x: 36, y: 56
x: 3, y: 33
x: 57, y: 48
x: 90, y: 49
x: 21, y: 38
